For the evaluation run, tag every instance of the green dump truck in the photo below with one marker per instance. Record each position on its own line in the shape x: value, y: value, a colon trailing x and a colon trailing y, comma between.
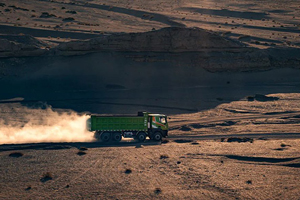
x: 140, y: 126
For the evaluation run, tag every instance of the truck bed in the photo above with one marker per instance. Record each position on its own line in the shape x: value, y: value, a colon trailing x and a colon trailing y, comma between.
x: 118, y: 123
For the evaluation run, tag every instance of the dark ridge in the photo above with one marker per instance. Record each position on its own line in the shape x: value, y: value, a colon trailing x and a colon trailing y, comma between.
x: 183, y: 141
x: 275, y: 113
x: 229, y: 13
x: 185, y: 128
x: 295, y: 165
x: 261, y: 97
x: 4, y: 29
x: 236, y: 139
x: 261, y: 159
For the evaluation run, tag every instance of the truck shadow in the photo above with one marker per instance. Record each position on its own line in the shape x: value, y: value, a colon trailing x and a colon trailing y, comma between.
x: 78, y: 145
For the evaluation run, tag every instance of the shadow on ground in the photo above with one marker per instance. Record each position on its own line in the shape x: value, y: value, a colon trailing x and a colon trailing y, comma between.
x: 125, y: 83
x: 69, y: 145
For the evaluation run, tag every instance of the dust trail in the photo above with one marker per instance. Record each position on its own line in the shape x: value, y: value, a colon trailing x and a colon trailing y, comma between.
x: 20, y: 124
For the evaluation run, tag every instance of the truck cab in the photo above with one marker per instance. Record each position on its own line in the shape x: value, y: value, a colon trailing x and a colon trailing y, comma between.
x: 158, y: 122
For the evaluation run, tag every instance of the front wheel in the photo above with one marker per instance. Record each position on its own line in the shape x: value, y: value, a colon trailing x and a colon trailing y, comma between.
x: 157, y: 136
x: 141, y: 136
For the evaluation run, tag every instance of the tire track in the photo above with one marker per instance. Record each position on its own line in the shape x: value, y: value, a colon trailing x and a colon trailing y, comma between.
x: 54, y: 181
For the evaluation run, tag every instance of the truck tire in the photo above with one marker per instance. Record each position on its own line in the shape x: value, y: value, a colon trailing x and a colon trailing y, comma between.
x: 105, y: 136
x: 97, y: 136
x: 117, y: 137
x: 157, y: 136
x: 141, y: 136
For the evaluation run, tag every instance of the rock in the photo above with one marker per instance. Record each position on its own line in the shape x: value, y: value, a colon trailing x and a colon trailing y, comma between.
x: 20, y: 45
x: 172, y: 39
x: 260, y: 97
x: 46, y: 15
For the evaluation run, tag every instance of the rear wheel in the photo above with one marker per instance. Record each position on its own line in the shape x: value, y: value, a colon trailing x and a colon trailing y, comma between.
x: 117, y: 137
x: 141, y: 136
x: 105, y: 137
x: 157, y: 136
x: 97, y: 136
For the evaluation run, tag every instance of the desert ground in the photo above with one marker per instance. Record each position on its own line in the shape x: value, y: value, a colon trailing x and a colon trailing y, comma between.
x: 260, y: 23
x: 225, y: 72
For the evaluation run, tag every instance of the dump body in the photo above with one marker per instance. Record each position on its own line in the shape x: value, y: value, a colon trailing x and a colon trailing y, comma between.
x: 118, y: 123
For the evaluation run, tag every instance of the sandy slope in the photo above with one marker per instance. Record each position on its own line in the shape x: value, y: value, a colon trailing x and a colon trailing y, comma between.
x: 266, y: 22
x: 243, y: 117
x: 259, y: 23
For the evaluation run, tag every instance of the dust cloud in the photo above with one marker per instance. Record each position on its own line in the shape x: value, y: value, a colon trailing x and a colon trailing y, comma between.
x: 21, y: 124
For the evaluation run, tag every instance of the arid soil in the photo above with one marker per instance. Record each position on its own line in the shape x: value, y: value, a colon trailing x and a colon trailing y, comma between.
x: 262, y: 169
x: 258, y: 23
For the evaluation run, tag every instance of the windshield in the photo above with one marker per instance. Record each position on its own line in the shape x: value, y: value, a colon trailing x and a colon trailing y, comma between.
x: 163, y: 120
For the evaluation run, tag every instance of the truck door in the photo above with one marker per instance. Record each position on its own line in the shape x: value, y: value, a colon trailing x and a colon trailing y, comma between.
x: 154, y: 121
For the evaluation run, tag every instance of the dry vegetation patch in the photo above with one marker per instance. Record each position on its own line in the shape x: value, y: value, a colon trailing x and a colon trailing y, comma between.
x: 81, y: 153
x: 83, y: 148
x: 236, y: 139
x: 16, y: 154
x: 164, y: 156
x: 46, y: 177
x: 68, y: 19
x: 47, y: 15
x: 157, y: 191
x: 28, y: 188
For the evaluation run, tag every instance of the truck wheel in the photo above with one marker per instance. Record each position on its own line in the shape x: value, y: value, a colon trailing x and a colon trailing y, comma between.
x: 97, y: 136
x: 105, y: 137
x: 117, y: 137
x: 157, y: 136
x: 141, y: 136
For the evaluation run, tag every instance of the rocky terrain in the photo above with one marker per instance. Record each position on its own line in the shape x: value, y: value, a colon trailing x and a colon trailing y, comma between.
x: 247, y: 40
